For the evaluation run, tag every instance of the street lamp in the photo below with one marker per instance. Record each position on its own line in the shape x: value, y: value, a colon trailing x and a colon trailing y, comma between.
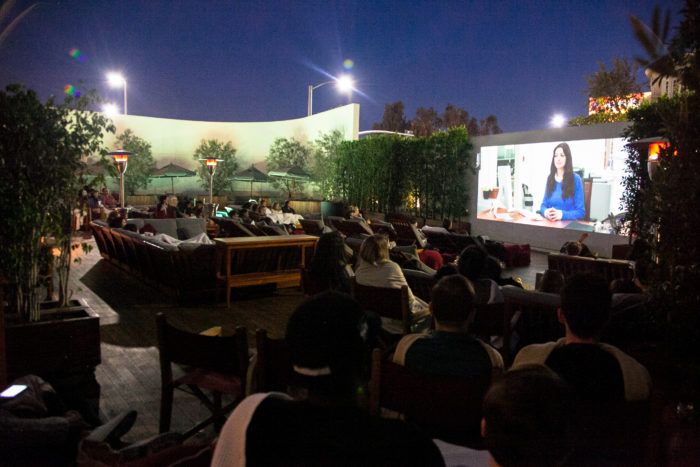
x: 116, y: 80
x: 121, y: 158
x: 344, y: 84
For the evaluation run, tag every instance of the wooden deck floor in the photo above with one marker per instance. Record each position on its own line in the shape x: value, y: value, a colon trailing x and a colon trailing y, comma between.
x: 129, y: 375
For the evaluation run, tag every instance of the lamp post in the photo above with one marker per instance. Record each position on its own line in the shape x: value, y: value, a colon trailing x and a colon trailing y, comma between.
x: 344, y: 84
x: 121, y: 158
x: 116, y: 80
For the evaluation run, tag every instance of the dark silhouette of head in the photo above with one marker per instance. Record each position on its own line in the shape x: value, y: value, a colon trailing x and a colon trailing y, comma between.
x: 552, y: 281
x: 328, y: 337
x: 471, y: 262
x: 527, y: 416
x: 585, y: 303
x: 452, y: 300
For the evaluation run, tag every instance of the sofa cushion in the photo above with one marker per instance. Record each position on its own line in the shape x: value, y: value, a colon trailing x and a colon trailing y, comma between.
x: 164, y: 226
x: 139, y: 223
x: 188, y: 227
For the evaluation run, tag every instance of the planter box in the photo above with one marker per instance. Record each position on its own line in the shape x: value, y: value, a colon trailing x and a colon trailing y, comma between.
x: 64, y: 341
x: 63, y: 348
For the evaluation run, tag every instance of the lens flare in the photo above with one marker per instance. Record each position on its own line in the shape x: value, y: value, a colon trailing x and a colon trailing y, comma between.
x: 75, y: 53
x: 69, y: 89
x: 348, y: 64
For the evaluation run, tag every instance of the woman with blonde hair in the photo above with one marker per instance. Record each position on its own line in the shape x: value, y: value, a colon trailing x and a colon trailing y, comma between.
x: 376, y: 269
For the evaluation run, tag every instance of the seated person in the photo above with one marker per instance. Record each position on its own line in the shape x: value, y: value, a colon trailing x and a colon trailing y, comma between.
x: 328, y: 263
x: 108, y: 201
x: 493, y: 269
x: 287, y: 209
x: 115, y: 220
x: 263, y: 207
x: 376, y: 269
x: 527, y: 418
x: 472, y: 265
x: 276, y: 208
x: 552, y: 281
x: 94, y: 204
x: 167, y: 208
x: 450, y: 350
x: 595, y: 371
x: 328, y: 337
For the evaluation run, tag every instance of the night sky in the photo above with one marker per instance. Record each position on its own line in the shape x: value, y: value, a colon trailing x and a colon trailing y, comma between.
x: 522, y: 61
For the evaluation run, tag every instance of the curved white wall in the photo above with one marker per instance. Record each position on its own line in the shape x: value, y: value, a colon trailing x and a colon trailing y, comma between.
x: 176, y: 140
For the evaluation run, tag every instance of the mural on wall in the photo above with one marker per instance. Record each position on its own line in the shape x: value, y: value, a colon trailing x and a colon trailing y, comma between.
x: 175, y: 142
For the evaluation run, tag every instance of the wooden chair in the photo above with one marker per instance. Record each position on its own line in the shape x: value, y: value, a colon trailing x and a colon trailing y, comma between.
x: 257, y: 231
x: 407, y: 234
x: 497, y: 319
x: 273, y: 368
x: 447, y: 408
x: 385, y: 302
x: 421, y: 283
x: 215, y: 364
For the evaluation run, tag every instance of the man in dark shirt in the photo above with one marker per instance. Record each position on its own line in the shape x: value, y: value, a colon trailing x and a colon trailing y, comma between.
x: 450, y: 350
x: 596, y: 371
x: 328, y: 339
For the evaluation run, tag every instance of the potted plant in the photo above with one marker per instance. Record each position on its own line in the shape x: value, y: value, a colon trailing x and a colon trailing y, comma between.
x: 42, y: 147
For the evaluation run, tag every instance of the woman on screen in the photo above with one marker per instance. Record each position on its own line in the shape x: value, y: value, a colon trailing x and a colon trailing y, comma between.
x: 563, y: 199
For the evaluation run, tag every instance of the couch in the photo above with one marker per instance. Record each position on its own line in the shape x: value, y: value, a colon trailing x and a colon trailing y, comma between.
x: 184, y: 269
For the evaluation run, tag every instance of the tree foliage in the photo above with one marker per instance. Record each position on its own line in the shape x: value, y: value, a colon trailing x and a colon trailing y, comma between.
x: 613, y: 85
x: 222, y: 182
x: 41, y: 152
x: 425, y: 122
x: 141, y: 163
x: 662, y: 209
x: 393, y: 118
x: 285, y: 153
x: 324, y: 155
x: 390, y: 173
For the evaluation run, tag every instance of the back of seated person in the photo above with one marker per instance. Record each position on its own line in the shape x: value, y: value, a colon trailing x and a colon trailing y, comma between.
x: 450, y: 350
x: 329, y: 338
x: 596, y: 371
x: 527, y: 418
x: 472, y: 265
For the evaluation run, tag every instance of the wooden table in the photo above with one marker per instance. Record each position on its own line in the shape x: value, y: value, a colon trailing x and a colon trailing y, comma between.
x: 246, y: 261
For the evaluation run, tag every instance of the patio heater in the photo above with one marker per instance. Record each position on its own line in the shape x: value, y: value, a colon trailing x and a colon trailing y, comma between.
x: 121, y: 158
x: 211, y: 164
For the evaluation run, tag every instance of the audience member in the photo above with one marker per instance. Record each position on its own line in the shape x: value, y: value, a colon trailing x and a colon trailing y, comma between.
x: 450, y: 350
x: 596, y: 371
x: 94, y: 204
x: 493, y: 269
x: 376, y: 269
x: 472, y: 265
x: 527, y: 418
x: 447, y: 225
x: 168, y: 208
x: 263, y: 207
x: 108, y: 201
x: 552, y: 281
x: 328, y: 338
x: 115, y: 220
x: 287, y: 209
x: 329, y: 264
x: 444, y: 271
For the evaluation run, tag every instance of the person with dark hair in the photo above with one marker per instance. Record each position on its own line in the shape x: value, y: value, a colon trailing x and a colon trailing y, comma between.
x: 450, y: 350
x: 328, y: 338
x: 527, y: 418
x: 447, y: 225
x: 472, y: 265
x: 328, y: 263
x: 552, y: 281
x: 595, y: 371
x: 287, y: 209
x: 563, y: 199
x: 446, y: 270
x: 115, y: 220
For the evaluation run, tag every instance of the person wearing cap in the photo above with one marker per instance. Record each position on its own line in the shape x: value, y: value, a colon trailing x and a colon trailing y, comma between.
x: 328, y: 338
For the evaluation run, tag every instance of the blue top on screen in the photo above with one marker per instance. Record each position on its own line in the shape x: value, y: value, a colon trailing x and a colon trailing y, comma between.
x: 572, y: 208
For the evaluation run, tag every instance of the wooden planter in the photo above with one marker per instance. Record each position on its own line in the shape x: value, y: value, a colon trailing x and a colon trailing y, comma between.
x: 63, y: 347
